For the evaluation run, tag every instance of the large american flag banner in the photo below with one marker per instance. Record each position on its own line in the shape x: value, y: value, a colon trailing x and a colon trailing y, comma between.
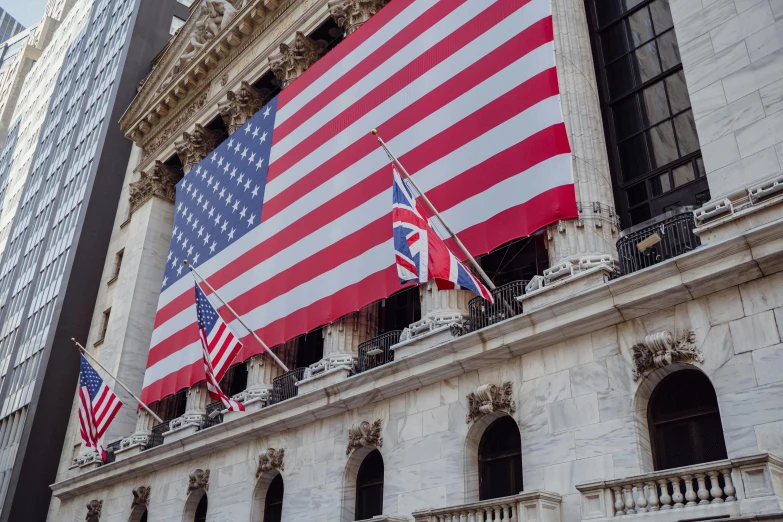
x: 290, y: 219
x: 98, y: 405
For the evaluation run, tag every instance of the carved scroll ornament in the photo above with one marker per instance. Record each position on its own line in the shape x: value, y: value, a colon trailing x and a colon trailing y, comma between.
x: 198, y: 479
x: 196, y: 145
x: 489, y: 398
x: 141, y: 497
x: 349, y: 15
x: 241, y: 106
x: 160, y: 183
x: 94, y: 511
x: 364, y: 434
x: 295, y: 59
x: 661, y: 349
x: 269, y: 460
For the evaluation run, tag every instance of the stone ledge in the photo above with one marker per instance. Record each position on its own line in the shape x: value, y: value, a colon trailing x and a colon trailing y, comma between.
x: 705, y: 270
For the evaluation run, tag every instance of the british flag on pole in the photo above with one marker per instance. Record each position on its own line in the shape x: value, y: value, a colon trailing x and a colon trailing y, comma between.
x: 289, y: 218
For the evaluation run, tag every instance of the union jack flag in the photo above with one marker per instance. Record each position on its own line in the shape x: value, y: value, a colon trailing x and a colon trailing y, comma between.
x: 98, y: 405
x: 220, y: 346
x: 420, y: 253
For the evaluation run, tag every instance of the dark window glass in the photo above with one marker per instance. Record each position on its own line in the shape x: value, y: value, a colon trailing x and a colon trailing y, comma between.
x: 633, y: 158
x: 500, y: 460
x: 700, y: 170
x: 399, y: 310
x: 662, y: 144
x: 637, y: 194
x: 644, y: 88
x: 201, y: 510
x: 685, y: 425
x: 627, y: 119
x: 670, y: 53
x: 686, y: 133
x: 143, y: 516
x: 369, y: 487
x: 273, y: 504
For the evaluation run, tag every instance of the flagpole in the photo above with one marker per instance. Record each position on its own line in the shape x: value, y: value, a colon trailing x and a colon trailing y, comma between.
x: 426, y: 200
x: 228, y: 306
x: 85, y: 352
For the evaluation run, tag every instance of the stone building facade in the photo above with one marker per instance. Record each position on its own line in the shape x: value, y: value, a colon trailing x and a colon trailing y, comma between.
x: 631, y: 382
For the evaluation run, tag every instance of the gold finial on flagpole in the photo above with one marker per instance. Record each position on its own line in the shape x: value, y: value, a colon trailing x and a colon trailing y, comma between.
x: 375, y: 132
x: 185, y: 261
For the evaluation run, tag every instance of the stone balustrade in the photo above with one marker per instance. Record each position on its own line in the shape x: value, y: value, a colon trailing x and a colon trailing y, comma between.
x: 725, y: 483
x: 532, y: 506
x: 386, y: 518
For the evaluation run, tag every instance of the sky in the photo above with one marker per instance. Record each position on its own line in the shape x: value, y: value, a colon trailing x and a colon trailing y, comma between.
x: 26, y: 12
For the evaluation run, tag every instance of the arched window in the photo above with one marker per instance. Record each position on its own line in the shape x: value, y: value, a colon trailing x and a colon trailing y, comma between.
x: 201, y: 510
x: 500, y: 460
x: 273, y: 505
x: 685, y: 426
x: 369, y: 487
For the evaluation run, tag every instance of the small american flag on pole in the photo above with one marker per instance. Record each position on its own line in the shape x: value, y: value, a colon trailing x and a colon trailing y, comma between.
x: 220, y: 346
x: 98, y: 405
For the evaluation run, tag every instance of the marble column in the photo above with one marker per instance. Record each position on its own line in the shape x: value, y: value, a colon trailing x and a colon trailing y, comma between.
x: 343, y: 336
x: 142, y: 434
x: 294, y: 59
x: 196, y: 403
x: 349, y: 15
x: 592, y: 237
x: 195, y: 146
x: 261, y: 370
x: 240, y: 106
x: 440, y: 308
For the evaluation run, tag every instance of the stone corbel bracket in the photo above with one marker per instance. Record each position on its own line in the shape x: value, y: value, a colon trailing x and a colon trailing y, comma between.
x: 271, y: 459
x: 661, y: 349
x: 94, y: 509
x: 364, y: 434
x: 198, y: 479
x: 489, y: 398
x: 141, y: 497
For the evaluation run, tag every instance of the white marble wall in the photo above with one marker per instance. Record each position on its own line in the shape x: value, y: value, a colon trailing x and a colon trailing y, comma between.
x: 577, y: 407
x: 732, y: 53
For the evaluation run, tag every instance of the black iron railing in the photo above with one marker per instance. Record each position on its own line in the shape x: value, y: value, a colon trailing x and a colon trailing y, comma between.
x: 156, y: 439
x: 482, y: 313
x: 663, y: 237
x: 376, y: 352
x: 214, y: 415
x: 284, y: 386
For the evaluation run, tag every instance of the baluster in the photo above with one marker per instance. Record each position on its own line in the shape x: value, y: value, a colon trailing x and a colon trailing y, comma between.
x: 619, y: 504
x: 513, y: 510
x: 715, y: 489
x: 666, y: 499
x: 497, y: 515
x: 702, y: 493
x: 506, y: 517
x: 480, y: 515
x: 690, y: 495
x: 641, y: 500
x: 677, y: 496
x: 463, y: 516
x: 729, y: 487
x: 652, y: 499
x: 488, y: 514
x: 629, y: 502
x: 471, y: 516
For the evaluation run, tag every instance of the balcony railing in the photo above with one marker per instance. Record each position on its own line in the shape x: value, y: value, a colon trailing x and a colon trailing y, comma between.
x: 663, y: 237
x: 724, y: 482
x: 284, y: 386
x: 214, y: 415
x: 482, y: 313
x: 156, y: 439
x: 541, y: 506
x: 376, y: 352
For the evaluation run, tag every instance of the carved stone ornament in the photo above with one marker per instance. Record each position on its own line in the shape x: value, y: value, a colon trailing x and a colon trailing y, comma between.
x: 141, y: 497
x: 161, y: 183
x: 269, y: 460
x: 661, y: 349
x: 241, y: 106
x: 364, y: 434
x: 94, y: 511
x: 165, y: 134
x: 198, y: 479
x: 196, y: 146
x: 489, y: 398
x: 295, y: 59
x: 349, y: 15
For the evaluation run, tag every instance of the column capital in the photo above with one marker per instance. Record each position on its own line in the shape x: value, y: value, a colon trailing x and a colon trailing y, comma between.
x: 160, y: 183
x: 349, y: 15
x: 196, y: 146
x: 296, y: 58
x: 240, y: 106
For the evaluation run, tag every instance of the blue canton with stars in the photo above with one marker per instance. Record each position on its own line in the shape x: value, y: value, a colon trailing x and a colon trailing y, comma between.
x: 220, y: 200
x: 206, y: 313
x: 89, y: 377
